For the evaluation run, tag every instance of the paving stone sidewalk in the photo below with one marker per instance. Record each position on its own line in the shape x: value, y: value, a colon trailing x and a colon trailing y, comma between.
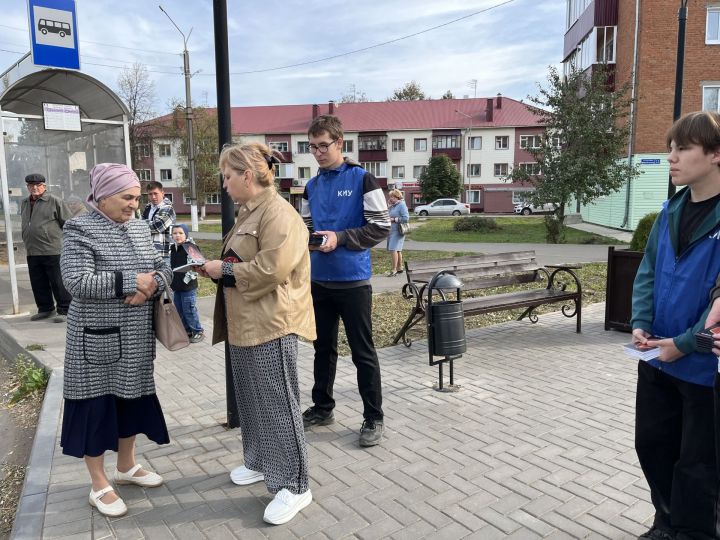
x: 538, y: 443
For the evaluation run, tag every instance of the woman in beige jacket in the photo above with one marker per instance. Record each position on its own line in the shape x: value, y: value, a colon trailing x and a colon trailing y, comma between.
x: 263, y: 304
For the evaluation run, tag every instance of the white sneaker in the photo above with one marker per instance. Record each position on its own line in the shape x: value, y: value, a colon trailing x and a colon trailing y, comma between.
x: 242, y: 476
x: 151, y: 479
x: 114, y: 509
x: 285, y: 505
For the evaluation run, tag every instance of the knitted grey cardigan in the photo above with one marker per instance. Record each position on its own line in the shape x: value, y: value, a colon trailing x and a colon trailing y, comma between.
x: 110, y: 345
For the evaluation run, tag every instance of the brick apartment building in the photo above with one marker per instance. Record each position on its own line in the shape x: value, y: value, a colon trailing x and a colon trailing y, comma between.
x: 485, y: 138
x: 605, y: 31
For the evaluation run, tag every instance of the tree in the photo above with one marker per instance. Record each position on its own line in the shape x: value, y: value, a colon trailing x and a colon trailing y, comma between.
x: 448, y: 95
x: 137, y: 90
x: 440, y: 179
x: 410, y: 92
x: 354, y: 96
x: 205, y: 137
x: 579, y: 155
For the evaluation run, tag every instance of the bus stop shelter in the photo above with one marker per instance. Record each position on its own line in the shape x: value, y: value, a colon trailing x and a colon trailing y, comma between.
x: 32, y: 143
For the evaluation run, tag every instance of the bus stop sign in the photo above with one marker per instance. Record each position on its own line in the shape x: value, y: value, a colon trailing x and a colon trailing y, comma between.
x: 53, y: 33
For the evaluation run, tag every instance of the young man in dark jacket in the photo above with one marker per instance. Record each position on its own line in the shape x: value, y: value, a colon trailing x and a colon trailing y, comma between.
x: 674, y: 424
x: 345, y: 207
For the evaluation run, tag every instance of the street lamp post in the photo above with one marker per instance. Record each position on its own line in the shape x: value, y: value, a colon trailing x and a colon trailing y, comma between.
x: 679, y: 69
x: 189, y: 127
x: 465, y: 164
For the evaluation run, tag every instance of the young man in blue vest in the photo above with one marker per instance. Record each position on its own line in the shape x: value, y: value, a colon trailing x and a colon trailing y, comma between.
x: 674, y: 422
x: 344, y: 207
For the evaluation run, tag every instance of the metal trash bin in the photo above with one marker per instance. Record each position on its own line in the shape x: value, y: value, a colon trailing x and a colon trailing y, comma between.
x: 448, y: 328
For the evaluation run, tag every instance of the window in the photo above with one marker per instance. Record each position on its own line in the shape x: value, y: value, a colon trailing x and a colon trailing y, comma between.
x: 420, y: 145
x: 605, y: 43
x: 473, y: 169
x: 475, y: 143
x: 303, y: 172
x: 473, y: 196
x: 165, y: 174
x: 143, y: 175
x: 398, y: 145
x: 186, y: 174
x: 500, y: 169
x: 347, y: 146
x: 520, y: 196
x: 186, y: 198
x: 446, y: 141
x: 283, y: 170
x: 530, y: 168
x: 712, y: 28
x: 303, y: 147
x: 280, y: 146
x: 142, y: 150
x: 398, y: 171
x: 418, y: 170
x: 530, y: 141
x: 169, y: 196
x: 555, y: 141
x: 711, y: 98
x: 376, y: 168
x: 212, y: 198
x: 372, y: 142
x: 164, y: 150
x: 575, y: 8
x: 501, y: 143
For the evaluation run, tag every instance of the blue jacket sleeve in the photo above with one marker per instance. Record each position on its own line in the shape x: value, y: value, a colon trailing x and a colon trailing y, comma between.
x: 642, y: 297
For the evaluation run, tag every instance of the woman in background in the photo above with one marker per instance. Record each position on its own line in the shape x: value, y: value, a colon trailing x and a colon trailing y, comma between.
x: 398, y: 214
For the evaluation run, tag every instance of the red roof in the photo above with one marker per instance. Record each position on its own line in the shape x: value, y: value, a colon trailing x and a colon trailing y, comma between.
x: 381, y: 116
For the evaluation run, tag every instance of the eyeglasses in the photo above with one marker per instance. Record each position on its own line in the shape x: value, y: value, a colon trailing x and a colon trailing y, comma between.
x: 322, y: 147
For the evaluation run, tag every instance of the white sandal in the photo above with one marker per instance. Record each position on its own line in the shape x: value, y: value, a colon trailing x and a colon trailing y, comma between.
x: 151, y: 479
x: 114, y: 509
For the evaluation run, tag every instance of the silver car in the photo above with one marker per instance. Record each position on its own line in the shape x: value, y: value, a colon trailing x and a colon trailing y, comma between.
x: 443, y: 207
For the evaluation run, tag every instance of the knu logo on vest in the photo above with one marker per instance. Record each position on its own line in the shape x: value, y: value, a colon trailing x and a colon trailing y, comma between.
x: 345, y: 193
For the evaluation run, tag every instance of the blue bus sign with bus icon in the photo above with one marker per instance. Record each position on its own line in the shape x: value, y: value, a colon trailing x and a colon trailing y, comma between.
x: 57, y: 27
x: 53, y: 33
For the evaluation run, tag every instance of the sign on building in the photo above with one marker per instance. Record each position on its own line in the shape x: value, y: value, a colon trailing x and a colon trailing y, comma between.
x: 650, y: 161
x: 53, y: 33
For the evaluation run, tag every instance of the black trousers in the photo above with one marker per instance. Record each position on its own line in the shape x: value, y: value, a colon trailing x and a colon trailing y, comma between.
x: 675, y: 443
x: 46, y: 283
x: 354, y: 307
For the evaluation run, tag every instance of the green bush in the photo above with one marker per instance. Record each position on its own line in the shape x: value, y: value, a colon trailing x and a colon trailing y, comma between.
x: 30, y: 378
x: 476, y: 224
x: 642, y: 232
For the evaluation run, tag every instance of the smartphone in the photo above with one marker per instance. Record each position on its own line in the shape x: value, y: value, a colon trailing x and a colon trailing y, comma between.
x: 317, y: 240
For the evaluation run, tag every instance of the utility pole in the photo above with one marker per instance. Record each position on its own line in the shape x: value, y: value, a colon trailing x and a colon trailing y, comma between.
x: 189, y: 127
x: 467, y: 153
x: 679, y: 69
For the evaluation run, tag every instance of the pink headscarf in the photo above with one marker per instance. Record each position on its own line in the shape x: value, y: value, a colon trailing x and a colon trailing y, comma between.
x: 108, y: 179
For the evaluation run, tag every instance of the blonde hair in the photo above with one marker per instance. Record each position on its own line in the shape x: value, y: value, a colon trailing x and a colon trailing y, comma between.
x: 255, y: 157
x: 396, y: 193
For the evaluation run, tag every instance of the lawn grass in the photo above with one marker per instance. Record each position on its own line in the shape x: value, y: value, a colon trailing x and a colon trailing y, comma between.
x: 520, y: 230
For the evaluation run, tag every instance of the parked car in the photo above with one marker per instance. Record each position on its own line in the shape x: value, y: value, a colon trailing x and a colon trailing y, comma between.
x: 525, y: 208
x: 443, y: 207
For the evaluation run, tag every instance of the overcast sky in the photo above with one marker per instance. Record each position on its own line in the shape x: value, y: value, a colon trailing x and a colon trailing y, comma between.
x: 506, y: 48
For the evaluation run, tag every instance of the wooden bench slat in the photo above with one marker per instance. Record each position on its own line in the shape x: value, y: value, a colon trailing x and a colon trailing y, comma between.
x: 471, y: 260
x: 473, y: 274
x: 511, y: 300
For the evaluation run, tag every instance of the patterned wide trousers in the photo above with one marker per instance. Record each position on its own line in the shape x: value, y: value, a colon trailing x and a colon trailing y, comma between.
x: 268, y: 398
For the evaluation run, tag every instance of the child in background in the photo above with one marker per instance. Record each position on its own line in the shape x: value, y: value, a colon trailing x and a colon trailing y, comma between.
x: 184, y: 285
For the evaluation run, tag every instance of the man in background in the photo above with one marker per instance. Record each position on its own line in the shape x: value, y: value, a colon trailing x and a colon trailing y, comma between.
x: 160, y: 216
x: 43, y: 217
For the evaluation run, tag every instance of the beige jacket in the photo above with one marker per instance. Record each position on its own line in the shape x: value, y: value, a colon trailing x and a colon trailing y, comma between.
x: 271, y: 297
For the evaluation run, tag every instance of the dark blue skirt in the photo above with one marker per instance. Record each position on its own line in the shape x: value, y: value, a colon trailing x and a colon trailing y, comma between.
x: 92, y: 426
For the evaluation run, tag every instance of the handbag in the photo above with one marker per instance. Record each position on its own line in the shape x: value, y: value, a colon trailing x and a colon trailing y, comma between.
x: 169, y: 328
x: 404, y: 228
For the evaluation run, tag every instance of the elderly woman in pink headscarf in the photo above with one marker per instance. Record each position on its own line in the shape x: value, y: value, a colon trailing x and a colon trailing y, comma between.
x: 110, y: 268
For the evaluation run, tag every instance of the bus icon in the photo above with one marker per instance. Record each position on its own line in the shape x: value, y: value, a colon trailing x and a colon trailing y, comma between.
x: 55, y: 27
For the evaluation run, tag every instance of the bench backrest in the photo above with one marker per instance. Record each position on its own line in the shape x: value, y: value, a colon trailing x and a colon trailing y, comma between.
x: 480, y: 271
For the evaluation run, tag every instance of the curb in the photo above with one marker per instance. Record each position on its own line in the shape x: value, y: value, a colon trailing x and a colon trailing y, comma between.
x: 30, y: 514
